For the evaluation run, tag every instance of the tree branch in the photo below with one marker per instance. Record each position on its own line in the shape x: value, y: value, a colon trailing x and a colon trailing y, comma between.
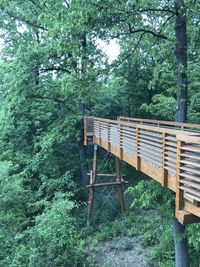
x: 133, y: 50
x: 156, y: 10
x: 36, y: 4
x: 59, y: 101
x: 28, y: 22
x: 164, y: 24
x: 131, y: 31
x: 158, y: 35
x: 67, y: 3
x: 56, y: 69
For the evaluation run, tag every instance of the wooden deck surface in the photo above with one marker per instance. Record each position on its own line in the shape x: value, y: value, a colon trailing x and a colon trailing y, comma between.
x: 168, y: 152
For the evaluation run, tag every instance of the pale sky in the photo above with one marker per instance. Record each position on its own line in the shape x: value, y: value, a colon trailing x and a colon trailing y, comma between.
x: 111, y: 49
x: 1, y: 43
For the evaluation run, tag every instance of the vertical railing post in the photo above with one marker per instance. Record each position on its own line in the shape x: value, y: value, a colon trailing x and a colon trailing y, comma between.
x: 120, y: 140
x: 164, y: 170
x: 137, y: 148
x: 100, y: 140
x: 93, y: 127
x: 85, y: 131
x: 108, y: 136
x: 179, y: 192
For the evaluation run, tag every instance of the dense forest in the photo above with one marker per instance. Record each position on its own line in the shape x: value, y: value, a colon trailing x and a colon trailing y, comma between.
x: 53, y: 73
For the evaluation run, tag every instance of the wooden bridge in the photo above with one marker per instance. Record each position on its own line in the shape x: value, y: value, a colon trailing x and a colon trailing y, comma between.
x: 168, y: 152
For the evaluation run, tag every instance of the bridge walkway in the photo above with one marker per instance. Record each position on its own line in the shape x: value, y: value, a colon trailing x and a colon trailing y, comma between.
x: 168, y: 152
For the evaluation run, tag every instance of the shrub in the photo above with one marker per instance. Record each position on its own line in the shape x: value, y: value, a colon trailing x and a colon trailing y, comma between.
x: 54, y: 240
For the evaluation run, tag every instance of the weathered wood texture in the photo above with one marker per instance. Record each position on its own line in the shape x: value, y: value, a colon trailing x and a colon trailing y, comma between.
x: 166, y: 151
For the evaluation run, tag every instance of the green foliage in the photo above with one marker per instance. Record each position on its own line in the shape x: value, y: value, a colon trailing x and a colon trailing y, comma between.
x: 147, y: 194
x: 13, y: 219
x: 54, y: 239
x: 193, y: 236
x: 194, y: 108
x: 162, y: 107
x: 154, y: 227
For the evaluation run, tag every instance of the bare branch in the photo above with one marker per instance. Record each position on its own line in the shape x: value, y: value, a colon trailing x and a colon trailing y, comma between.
x: 53, y: 99
x: 156, y: 10
x: 67, y: 3
x: 133, y: 50
x: 56, y: 69
x: 158, y: 35
x: 164, y: 24
x: 36, y: 4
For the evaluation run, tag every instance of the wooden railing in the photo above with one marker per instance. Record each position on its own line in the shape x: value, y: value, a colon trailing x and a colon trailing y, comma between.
x: 163, y: 124
x: 167, y: 152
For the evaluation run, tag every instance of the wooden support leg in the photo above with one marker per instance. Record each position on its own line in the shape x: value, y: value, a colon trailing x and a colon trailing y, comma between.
x: 93, y: 175
x: 119, y: 187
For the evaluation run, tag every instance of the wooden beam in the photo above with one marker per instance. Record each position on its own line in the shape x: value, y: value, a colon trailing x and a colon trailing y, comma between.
x: 119, y: 187
x: 92, y: 181
x: 192, y: 208
x: 106, y: 174
x: 185, y: 217
x: 108, y: 184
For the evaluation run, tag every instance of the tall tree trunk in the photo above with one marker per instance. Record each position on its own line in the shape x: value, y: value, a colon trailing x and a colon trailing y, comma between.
x: 82, y: 151
x: 81, y: 111
x: 181, y: 60
x: 180, y: 244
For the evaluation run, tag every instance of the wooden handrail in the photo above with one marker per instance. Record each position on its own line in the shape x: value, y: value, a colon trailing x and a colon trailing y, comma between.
x: 148, y: 127
x: 168, y: 123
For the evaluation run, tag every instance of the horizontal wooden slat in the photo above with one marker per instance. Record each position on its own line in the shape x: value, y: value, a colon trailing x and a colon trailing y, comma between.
x: 185, y: 168
x: 190, y: 163
x: 154, y: 144
x: 151, y: 156
x: 194, y: 197
x: 152, y: 134
x: 191, y: 156
x: 192, y: 184
x: 152, y: 151
x: 153, y: 139
x: 191, y: 148
x: 190, y: 190
x: 190, y: 176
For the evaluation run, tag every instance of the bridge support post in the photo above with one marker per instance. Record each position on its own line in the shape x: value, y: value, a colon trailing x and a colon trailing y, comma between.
x: 119, y: 187
x: 180, y: 246
x: 93, y: 175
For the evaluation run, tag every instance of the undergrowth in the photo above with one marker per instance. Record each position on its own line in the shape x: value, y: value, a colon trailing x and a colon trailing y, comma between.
x: 149, y: 217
